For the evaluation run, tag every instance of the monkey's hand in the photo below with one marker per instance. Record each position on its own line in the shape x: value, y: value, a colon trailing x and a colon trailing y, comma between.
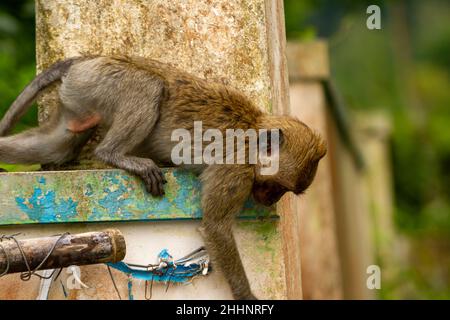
x: 153, y: 178
x: 144, y: 168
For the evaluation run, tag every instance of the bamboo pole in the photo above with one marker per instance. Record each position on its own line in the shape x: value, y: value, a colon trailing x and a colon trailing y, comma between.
x: 61, y: 251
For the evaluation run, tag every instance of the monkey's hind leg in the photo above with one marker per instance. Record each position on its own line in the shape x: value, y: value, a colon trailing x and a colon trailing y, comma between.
x: 131, y: 125
x: 49, y: 144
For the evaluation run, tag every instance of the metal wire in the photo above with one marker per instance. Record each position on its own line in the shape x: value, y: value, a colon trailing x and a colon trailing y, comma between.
x: 166, y: 268
x: 170, y: 277
x: 151, y: 289
x: 57, y: 276
x: 3, y: 237
x: 25, y: 276
x: 114, y: 282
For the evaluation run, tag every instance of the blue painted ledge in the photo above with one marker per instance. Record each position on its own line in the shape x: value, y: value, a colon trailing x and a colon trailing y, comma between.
x: 101, y: 196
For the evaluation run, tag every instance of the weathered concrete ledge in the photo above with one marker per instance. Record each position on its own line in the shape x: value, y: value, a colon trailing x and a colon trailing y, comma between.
x: 101, y: 196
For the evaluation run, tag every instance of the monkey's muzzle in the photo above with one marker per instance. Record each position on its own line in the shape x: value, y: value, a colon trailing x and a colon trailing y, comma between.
x: 268, y: 193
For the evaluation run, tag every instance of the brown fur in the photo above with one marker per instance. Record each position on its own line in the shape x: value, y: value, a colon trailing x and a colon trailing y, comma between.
x: 140, y: 102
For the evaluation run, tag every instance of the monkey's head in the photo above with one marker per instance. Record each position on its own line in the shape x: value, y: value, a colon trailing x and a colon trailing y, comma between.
x: 300, y: 150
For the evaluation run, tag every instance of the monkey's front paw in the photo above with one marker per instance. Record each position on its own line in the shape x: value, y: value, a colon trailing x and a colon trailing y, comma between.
x: 154, y: 180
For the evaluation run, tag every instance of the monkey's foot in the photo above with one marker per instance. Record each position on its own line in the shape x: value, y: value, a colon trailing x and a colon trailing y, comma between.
x: 154, y: 180
x: 3, y: 170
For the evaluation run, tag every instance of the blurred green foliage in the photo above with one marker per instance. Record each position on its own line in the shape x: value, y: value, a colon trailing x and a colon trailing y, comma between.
x: 17, y: 60
x: 369, y: 74
x: 17, y: 53
x: 403, y: 69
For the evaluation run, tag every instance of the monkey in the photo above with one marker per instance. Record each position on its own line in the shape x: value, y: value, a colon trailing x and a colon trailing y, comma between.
x: 140, y: 101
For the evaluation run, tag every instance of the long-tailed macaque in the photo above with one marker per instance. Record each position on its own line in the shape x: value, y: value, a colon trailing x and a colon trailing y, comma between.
x: 140, y: 102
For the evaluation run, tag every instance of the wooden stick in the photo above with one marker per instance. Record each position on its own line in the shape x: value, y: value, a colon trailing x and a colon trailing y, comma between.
x: 71, y: 249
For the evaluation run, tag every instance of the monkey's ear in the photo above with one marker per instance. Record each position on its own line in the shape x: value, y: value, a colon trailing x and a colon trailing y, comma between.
x: 267, y: 139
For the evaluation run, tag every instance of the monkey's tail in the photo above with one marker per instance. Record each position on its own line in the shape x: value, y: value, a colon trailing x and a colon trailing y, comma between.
x: 21, y: 105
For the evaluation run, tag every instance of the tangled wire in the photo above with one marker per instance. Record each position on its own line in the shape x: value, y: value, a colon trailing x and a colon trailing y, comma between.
x: 25, y: 276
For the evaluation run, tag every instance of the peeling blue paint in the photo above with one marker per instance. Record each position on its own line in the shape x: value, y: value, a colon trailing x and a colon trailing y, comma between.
x: 101, y: 196
x: 114, y: 202
x: 44, y: 207
x: 89, y: 191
